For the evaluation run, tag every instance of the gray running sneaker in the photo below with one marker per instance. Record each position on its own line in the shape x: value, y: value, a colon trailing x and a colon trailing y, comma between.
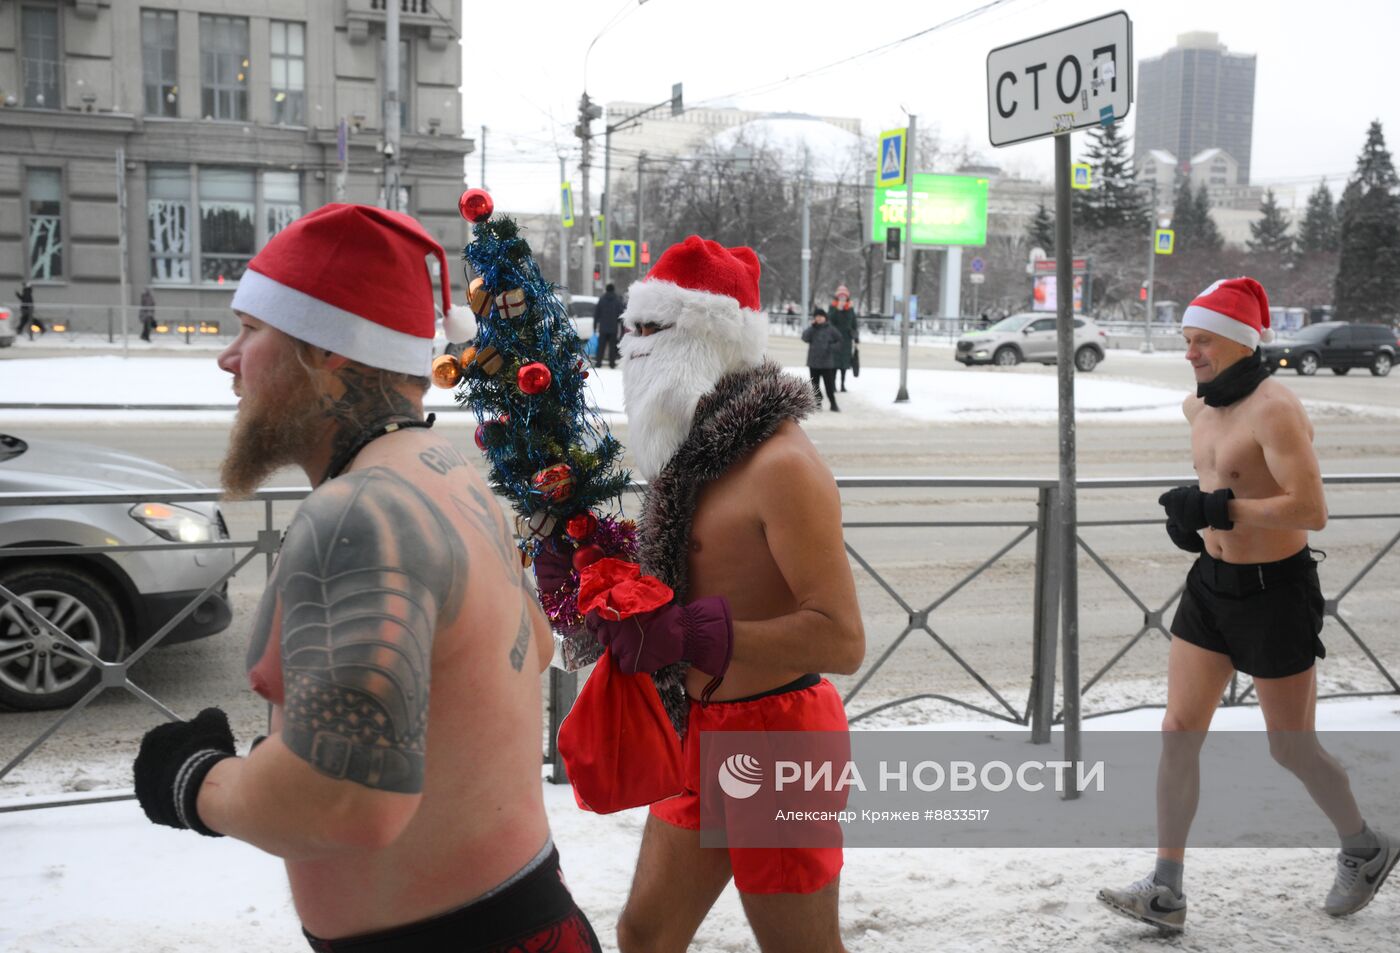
x: 1149, y: 902
x: 1358, y: 880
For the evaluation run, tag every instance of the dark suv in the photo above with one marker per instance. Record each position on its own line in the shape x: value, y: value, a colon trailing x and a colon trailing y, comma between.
x: 1336, y: 345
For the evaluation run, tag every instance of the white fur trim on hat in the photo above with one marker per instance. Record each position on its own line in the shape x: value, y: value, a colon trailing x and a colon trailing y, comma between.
x: 741, y: 333
x: 1221, y: 324
x: 334, y: 329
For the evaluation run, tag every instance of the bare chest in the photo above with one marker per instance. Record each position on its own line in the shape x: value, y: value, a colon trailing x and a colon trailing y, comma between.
x: 728, y: 551
x: 1224, y: 450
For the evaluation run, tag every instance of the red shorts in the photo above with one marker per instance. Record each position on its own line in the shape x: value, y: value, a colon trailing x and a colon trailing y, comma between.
x: 809, y: 704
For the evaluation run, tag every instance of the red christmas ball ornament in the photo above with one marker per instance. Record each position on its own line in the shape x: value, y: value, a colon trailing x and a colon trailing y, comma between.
x: 534, y: 378
x: 484, y: 429
x: 555, y: 484
x: 581, y: 526
x: 586, y: 556
x: 475, y: 205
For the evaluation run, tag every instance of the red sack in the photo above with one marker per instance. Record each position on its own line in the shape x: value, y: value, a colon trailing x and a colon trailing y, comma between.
x: 617, y: 741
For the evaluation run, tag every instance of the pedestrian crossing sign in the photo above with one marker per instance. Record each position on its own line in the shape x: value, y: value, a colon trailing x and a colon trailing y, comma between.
x: 1083, y: 174
x: 892, y: 151
x: 622, y: 254
x: 566, y: 205
x: 1165, y: 241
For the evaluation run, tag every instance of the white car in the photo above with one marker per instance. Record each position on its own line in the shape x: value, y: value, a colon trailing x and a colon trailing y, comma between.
x: 1031, y: 336
x: 8, y: 326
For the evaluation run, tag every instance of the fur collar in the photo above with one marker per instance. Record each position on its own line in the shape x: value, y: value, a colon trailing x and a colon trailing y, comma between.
x: 745, y: 408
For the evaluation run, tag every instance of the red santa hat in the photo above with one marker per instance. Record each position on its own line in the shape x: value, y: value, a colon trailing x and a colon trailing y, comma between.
x: 704, y: 291
x: 1234, y: 308
x: 352, y: 279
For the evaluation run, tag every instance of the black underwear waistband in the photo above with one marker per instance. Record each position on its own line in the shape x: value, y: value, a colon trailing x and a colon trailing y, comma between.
x: 796, y: 685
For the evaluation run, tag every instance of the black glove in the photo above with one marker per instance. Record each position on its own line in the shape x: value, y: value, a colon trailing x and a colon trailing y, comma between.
x: 1192, y: 510
x: 1186, y: 539
x: 172, y: 763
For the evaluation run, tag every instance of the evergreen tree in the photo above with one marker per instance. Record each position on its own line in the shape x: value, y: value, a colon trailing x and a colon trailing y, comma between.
x: 1040, y: 232
x: 1368, y: 273
x: 1115, y: 199
x: 1269, y: 235
x: 1208, y: 237
x: 1184, y: 214
x: 1318, y: 230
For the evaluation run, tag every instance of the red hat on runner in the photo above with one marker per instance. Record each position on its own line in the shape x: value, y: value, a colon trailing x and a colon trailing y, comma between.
x: 1234, y: 308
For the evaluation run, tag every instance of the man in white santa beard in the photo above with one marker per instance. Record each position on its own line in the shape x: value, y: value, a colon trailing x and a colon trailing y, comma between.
x: 743, y: 521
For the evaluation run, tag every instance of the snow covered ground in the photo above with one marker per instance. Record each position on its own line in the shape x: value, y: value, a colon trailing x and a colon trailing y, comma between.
x: 101, y: 878
x: 938, y: 396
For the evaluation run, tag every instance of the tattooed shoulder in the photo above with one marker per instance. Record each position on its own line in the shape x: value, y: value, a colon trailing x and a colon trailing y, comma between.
x: 369, y: 565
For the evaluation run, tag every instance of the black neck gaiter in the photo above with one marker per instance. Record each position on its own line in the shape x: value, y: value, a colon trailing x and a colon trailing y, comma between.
x: 1236, y: 382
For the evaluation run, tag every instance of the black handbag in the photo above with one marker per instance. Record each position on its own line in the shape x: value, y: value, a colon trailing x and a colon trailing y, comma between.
x: 855, y: 362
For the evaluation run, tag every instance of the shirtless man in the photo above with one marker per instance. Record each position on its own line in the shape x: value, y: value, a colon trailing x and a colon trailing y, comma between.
x: 1252, y: 602
x: 396, y: 642
x: 743, y: 521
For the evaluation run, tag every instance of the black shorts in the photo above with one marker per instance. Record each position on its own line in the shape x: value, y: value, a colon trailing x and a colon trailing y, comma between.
x: 534, y: 914
x: 1265, y: 616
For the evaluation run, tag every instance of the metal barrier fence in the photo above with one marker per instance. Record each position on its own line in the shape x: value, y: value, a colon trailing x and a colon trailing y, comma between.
x: 168, y: 322
x: 1038, y: 711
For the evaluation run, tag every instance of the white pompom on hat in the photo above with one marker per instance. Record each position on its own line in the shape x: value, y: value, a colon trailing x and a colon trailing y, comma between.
x: 1234, y: 308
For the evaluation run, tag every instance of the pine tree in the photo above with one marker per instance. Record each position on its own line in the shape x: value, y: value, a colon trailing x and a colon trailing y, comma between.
x: 1269, y: 235
x: 549, y: 452
x: 1318, y: 230
x: 1368, y: 273
x: 1208, y: 236
x: 1040, y: 232
x: 1115, y: 199
x: 1184, y: 214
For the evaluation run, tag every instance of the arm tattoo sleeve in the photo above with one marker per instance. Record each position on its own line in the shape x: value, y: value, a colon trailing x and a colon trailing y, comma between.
x: 368, y: 567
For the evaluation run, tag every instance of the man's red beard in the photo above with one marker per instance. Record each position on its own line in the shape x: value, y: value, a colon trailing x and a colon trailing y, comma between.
x: 273, y: 429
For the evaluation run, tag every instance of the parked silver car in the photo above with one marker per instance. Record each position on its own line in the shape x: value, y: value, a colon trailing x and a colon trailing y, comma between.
x: 108, y: 602
x: 1030, y: 336
x: 9, y: 322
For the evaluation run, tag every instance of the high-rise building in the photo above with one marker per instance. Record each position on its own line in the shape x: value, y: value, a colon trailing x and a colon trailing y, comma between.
x: 234, y: 118
x: 1196, y: 96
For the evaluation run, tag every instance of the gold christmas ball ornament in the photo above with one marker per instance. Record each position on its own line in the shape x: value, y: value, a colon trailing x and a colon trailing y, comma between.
x: 446, y: 371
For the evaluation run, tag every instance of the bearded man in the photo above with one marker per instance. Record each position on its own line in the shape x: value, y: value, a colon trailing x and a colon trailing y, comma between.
x: 396, y: 641
x: 743, y: 520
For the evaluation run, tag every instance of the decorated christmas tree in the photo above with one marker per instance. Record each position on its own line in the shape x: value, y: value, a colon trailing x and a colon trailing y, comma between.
x: 550, y: 454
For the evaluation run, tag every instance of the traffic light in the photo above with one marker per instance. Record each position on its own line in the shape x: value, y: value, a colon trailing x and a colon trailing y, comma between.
x: 597, y: 272
x: 892, y: 244
x: 1142, y: 292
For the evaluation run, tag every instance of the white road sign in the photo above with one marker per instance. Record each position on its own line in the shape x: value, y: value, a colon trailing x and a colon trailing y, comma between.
x: 1075, y: 77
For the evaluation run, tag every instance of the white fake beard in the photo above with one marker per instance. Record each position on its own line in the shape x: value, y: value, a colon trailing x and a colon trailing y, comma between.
x: 664, y: 375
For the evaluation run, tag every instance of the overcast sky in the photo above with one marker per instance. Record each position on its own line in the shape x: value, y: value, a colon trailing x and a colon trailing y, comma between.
x: 1325, y: 70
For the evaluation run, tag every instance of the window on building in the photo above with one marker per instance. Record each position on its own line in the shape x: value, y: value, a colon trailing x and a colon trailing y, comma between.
x: 168, y: 222
x: 158, y: 62
x: 405, y: 81
x: 224, y: 66
x: 281, y: 200
x: 227, y: 233
x: 44, y: 198
x: 39, y: 57
x: 288, y: 71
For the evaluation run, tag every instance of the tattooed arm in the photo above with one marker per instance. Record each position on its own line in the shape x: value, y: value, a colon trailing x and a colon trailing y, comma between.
x: 368, y: 567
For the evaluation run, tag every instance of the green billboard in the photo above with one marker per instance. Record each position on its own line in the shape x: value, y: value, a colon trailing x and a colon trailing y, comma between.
x: 948, y: 210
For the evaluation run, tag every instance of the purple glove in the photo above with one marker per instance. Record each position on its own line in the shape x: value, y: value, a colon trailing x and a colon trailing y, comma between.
x: 701, y: 633
x: 553, y: 564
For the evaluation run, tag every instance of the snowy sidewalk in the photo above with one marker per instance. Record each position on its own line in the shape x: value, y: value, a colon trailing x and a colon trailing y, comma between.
x: 102, y: 878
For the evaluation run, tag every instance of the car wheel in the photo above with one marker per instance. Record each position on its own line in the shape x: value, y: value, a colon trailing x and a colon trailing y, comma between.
x: 1086, y: 359
x: 1006, y: 356
x: 1381, y: 365
x: 1340, y: 371
x: 6, y: 342
x: 37, y: 670
x: 1307, y: 365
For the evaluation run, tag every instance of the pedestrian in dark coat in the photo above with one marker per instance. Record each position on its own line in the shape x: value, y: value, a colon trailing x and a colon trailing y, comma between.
x: 823, y: 351
x: 25, y: 294
x: 148, y: 314
x: 843, y: 318
x: 607, y: 321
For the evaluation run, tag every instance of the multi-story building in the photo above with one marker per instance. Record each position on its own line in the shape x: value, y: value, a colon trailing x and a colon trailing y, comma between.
x: 1196, y: 96
x: 233, y: 118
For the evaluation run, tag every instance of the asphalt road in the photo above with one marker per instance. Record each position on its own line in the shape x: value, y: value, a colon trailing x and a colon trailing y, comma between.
x: 988, y: 623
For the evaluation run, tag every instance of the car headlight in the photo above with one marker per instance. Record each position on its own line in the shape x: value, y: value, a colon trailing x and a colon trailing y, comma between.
x: 981, y: 353
x: 175, y: 523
